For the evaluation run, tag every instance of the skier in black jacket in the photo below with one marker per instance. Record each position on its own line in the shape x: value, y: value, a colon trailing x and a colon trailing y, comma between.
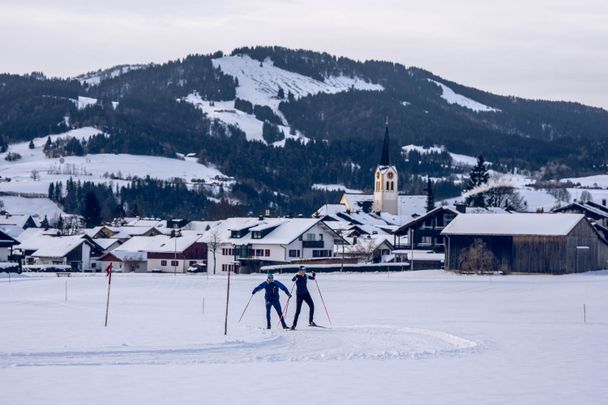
x: 272, y: 297
x: 302, y: 295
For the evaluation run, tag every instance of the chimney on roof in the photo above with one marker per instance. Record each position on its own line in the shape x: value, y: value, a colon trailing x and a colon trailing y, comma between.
x: 461, y: 207
x: 261, y: 217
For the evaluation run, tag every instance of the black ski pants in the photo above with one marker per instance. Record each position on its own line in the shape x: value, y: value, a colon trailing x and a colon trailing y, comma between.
x: 304, y: 298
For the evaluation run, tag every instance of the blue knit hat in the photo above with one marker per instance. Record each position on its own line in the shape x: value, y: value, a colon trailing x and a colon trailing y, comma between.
x: 269, y: 275
x: 303, y: 268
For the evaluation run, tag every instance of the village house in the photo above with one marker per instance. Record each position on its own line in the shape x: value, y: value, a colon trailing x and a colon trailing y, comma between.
x: 45, y: 249
x: 247, y: 244
x: 160, y: 253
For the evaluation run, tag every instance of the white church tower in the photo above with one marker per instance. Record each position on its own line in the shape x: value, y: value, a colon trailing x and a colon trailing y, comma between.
x: 386, y: 182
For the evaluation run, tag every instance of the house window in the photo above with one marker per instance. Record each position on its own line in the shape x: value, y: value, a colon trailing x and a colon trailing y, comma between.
x: 174, y: 263
x: 163, y: 262
x: 321, y: 253
x: 192, y: 262
x: 93, y: 265
x: 310, y: 236
x: 427, y: 240
x: 294, y: 253
x: 256, y: 235
x: 267, y: 251
x: 259, y: 252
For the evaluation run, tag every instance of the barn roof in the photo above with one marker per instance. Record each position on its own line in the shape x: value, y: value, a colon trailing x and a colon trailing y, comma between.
x: 513, y: 224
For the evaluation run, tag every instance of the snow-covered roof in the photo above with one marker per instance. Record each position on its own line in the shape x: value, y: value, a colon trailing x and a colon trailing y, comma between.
x: 159, y: 243
x: 106, y: 243
x: 32, y: 238
x: 513, y: 224
x: 57, y: 246
x: 136, y: 230
x: 287, y: 230
x: 123, y: 255
x: 409, y: 206
x: 7, y: 239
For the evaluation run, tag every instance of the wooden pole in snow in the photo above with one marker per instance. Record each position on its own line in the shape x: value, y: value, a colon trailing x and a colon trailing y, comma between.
x: 227, y: 302
x: 66, y: 290
x: 109, y: 275
x: 584, y: 313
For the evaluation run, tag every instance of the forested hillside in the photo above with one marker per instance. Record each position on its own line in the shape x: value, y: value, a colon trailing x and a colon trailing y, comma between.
x: 323, y: 135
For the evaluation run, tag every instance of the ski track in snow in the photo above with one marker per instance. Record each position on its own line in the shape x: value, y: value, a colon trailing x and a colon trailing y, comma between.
x: 377, y: 342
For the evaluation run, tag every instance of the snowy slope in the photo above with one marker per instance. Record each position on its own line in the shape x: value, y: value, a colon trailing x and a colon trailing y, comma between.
x: 259, y: 84
x: 95, y: 167
x: 38, y: 207
x: 335, y: 187
x: 225, y: 112
x: 454, y: 98
x: 600, y: 180
x: 94, y: 78
x: 457, y: 159
x: 429, y: 337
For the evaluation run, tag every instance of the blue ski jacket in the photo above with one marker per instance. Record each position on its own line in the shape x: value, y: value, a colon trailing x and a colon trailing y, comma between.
x: 272, y: 290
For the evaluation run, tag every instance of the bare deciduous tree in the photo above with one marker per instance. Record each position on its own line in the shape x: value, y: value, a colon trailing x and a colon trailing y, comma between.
x: 477, y: 258
x: 214, y: 240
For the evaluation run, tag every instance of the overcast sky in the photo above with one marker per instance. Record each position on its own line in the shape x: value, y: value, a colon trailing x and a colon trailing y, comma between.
x: 552, y: 49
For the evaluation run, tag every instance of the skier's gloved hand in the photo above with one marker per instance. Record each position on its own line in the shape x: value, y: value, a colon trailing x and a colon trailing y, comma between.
x: 314, y: 274
x: 289, y: 295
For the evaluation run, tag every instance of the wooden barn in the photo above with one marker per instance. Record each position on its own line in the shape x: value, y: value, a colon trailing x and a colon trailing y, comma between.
x: 524, y: 243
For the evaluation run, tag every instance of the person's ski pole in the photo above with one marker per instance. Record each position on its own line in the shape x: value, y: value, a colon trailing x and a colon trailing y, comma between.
x: 282, y: 318
x: 323, y: 301
x: 246, y: 306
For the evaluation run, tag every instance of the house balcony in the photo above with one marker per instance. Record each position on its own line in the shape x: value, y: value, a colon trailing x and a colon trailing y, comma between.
x: 312, y: 244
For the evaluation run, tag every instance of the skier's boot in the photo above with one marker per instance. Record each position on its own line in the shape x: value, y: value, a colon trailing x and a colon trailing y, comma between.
x: 312, y: 324
x: 268, y: 326
x: 285, y: 326
x: 293, y: 327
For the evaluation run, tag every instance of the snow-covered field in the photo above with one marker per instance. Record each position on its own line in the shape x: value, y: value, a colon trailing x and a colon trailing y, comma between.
x: 423, y: 337
x: 94, y: 167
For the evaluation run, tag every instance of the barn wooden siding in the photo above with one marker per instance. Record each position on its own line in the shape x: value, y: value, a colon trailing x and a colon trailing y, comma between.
x: 536, y: 253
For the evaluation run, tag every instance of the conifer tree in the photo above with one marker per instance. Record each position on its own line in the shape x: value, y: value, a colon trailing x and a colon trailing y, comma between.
x: 430, y: 198
x: 92, y: 210
x: 31, y: 145
x: 479, y: 175
x: 44, y: 224
x: 48, y: 143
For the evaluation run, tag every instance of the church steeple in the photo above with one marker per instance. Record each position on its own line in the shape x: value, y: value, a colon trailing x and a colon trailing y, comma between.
x: 385, y: 159
x: 386, y: 181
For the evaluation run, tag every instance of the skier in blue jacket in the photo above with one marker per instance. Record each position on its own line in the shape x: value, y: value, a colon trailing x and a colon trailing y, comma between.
x: 302, y: 295
x: 272, y: 297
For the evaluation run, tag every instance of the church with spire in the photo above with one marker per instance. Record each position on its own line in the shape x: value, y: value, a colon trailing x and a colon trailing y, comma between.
x: 386, y: 181
x: 385, y: 204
